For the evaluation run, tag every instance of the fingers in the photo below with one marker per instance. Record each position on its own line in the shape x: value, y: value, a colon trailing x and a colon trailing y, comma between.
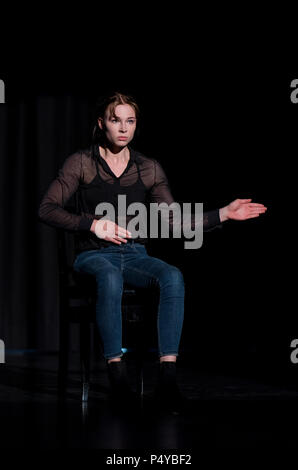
x: 251, y: 205
x: 112, y: 232
x: 113, y: 240
x: 120, y: 239
x: 256, y: 213
x: 253, y: 214
x: 258, y: 209
x: 255, y: 204
x: 119, y: 234
x: 122, y: 232
x: 110, y: 239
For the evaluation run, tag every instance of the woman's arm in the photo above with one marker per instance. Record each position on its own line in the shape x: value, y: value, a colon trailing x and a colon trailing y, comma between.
x: 240, y: 209
x: 51, y: 209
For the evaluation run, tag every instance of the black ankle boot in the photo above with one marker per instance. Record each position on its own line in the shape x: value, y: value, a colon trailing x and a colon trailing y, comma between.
x: 121, y: 391
x: 167, y: 393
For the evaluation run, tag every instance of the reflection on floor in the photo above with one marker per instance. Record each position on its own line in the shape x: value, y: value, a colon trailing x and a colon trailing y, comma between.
x: 225, y: 411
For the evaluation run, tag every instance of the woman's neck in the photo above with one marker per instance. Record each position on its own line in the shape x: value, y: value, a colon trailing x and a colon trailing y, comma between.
x: 115, y: 155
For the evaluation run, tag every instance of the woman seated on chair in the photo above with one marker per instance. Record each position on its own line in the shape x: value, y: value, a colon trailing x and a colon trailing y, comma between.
x: 113, y: 251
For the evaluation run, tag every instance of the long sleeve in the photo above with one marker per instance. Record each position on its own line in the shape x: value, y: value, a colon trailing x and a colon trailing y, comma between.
x: 161, y: 192
x: 51, y: 209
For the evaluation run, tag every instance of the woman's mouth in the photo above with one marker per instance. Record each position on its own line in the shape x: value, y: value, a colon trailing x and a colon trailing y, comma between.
x: 122, y: 138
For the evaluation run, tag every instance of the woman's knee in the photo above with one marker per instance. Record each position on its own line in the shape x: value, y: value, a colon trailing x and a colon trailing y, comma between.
x: 172, y: 276
x: 110, y: 279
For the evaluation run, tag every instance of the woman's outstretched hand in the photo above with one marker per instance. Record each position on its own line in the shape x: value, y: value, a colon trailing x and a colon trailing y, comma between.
x: 241, y: 209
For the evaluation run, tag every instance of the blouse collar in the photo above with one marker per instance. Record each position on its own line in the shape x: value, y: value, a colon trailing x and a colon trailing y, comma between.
x: 132, y: 158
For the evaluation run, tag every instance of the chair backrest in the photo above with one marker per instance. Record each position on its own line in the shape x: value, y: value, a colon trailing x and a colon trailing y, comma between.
x: 66, y: 243
x: 66, y: 249
x: 74, y: 286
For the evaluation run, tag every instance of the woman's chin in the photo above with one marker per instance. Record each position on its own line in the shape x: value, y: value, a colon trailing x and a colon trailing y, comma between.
x: 120, y: 143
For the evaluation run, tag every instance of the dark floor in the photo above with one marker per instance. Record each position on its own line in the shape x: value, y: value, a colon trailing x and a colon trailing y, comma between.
x: 226, y: 412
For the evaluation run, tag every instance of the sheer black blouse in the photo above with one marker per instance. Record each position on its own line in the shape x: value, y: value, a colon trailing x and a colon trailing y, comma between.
x: 87, y: 175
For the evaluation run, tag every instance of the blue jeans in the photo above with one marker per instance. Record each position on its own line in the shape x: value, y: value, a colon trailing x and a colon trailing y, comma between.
x: 130, y: 263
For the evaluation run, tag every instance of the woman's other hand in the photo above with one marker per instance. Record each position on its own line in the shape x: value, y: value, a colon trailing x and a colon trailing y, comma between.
x: 109, y: 231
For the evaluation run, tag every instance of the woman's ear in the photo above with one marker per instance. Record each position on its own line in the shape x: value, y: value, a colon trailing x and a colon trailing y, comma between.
x: 100, y: 123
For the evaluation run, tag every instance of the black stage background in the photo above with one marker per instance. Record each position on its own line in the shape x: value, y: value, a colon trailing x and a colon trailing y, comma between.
x: 219, y: 120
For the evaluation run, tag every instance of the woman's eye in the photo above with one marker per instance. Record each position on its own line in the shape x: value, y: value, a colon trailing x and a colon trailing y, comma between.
x: 130, y: 121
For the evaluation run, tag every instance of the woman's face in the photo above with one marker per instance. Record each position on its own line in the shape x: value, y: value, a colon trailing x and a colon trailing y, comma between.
x: 119, y: 129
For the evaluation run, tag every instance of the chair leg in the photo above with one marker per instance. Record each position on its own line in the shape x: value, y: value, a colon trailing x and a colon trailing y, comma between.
x: 85, y: 392
x: 85, y: 358
x: 140, y: 355
x: 140, y: 375
x: 63, y: 357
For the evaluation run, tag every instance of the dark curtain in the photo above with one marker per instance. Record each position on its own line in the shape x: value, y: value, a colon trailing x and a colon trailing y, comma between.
x: 37, y: 134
